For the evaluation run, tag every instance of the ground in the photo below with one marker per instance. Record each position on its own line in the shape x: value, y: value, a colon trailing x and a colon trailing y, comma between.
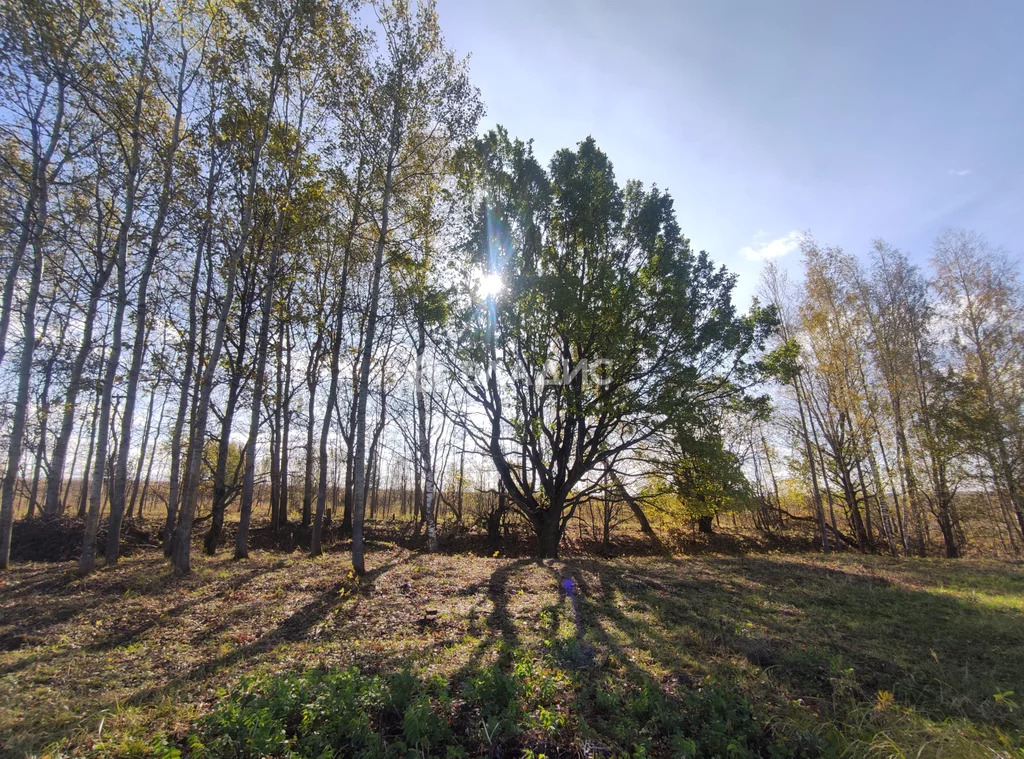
x: 757, y: 655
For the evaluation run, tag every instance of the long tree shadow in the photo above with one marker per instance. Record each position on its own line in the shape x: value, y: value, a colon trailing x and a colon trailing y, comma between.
x: 498, y: 621
x: 700, y: 649
x: 629, y: 706
x: 32, y: 628
x: 292, y: 628
x: 808, y: 627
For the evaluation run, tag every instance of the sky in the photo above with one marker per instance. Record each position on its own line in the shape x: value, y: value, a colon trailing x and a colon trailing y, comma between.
x: 765, y: 120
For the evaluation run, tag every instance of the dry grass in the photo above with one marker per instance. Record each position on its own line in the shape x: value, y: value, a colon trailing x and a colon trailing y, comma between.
x: 855, y: 655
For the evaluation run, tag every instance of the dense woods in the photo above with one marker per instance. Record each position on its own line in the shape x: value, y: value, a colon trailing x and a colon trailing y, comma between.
x: 258, y: 262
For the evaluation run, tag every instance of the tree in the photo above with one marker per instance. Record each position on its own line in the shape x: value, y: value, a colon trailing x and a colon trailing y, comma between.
x: 268, y: 34
x: 902, y: 346
x: 128, y: 122
x: 44, y: 49
x: 982, y: 294
x: 185, y: 72
x: 608, y: 329
x: 905, y: 348
x: 701, y: 479
x: 837, y: 397
x: 777, y: 292
x: 422, y: 106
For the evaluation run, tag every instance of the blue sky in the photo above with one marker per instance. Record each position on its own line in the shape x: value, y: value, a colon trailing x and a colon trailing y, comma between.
x: 853, y: 120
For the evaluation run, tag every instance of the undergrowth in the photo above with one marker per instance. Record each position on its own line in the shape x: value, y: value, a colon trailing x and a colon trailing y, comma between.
x: 493, y: 712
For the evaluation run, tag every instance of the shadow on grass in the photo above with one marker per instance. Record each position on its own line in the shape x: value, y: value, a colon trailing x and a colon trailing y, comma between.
x: 34, y: 616
x: 103, y: 593
x: 498, y: 620
x: 680, y: 656
x: 295, y: 627
x: 819, y: 633
x: 747, y: 655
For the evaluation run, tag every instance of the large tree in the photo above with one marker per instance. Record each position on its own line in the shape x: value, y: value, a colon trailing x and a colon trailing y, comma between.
x: 607, y: 331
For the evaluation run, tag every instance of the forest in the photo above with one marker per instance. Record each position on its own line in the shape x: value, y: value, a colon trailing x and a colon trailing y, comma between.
x: 335, y: 424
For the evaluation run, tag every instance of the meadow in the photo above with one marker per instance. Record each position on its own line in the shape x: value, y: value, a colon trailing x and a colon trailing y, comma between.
x: 473, y: 654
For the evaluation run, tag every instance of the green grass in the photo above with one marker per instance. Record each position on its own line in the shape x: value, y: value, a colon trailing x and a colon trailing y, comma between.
x: 770, y: 655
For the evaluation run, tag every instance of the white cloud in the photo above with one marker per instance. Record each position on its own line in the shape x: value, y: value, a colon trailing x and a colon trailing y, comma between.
x: 780, y: 246
x: 959, y: 172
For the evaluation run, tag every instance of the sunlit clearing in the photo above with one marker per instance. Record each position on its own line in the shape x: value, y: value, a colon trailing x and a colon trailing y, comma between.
x: 489, y: 285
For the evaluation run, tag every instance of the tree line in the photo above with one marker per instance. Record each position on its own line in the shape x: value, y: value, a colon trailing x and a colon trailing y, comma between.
x: 901, y: 403
x: 202, y: 203
x: 259, y: 244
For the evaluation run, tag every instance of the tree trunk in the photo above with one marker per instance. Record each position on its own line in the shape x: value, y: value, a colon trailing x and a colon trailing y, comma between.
x: 182, y: 547
x: 307, y: 485
x: 462, y: 477
x: 221, y: 489
x: 867, y: 506
x: 249, y: 476
x: 285, y: 400
x: 494, y: 520
x: 74, y: 466
x: 120, y: 481
x: 83, y: 491
x: 945, y: 511
x: 274, y: 416
x: 38, y: 197
x: 149, y: 463
x: 638, y: 512
x: 824, y: 472
x: 913, y: 498
x: 33, y: 219
x: 10, y: 283
x: 946, y: 527
x: 44, y: 414
x: 87, y: 561
x: 348, y: 435
x: 190, y: 368
x: 850, y: 496
x: 315, y: 547
x: 429, y: 508
x: 819, y: 508
x: 606, y: 524
x: 316, y: 536
x: 17, y: 438
x: 547, y: 524
x: 312, y: 374
x: 363, y: 387
x: 52, y: 505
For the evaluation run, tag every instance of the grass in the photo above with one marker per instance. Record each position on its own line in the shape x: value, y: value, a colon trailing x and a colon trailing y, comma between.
x: 463, y: 655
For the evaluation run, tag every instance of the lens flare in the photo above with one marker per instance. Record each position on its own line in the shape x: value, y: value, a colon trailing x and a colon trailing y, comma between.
x: 489, y: 285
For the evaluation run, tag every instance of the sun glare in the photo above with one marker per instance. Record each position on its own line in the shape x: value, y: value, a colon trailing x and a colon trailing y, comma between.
x: 489, y: 285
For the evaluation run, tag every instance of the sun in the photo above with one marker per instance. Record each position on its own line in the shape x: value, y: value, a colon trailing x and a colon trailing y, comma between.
x: 489, y: 285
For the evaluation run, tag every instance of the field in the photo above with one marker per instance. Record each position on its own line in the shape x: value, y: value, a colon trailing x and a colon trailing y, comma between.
x: 472, y: 655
